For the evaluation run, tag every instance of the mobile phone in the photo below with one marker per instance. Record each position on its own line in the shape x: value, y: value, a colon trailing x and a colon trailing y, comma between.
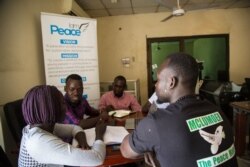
x: 115, y: 147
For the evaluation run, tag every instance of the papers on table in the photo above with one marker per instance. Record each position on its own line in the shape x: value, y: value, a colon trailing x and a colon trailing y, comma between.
x: 120, y: 113
x: 113, y: 135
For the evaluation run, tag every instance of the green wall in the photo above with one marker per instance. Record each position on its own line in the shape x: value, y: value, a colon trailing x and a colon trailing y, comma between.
x: 160, y: 51
x: 211, y: 51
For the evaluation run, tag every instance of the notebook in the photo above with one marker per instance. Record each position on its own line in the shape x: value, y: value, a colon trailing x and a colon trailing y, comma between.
x: 120, y: 113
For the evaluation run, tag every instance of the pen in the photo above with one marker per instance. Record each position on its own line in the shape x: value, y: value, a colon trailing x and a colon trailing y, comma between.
x: 113, y: 114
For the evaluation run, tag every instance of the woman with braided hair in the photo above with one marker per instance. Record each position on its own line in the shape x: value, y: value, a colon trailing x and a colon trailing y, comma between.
x: 42, y: 145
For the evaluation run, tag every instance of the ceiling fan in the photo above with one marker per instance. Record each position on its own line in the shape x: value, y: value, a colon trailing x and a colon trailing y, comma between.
x: 177, y: 11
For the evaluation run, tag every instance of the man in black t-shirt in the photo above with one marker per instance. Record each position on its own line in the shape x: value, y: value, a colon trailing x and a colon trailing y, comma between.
x: 189, y: 132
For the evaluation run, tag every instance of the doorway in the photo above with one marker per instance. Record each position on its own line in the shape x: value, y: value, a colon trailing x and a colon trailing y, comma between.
x: 210, y: 51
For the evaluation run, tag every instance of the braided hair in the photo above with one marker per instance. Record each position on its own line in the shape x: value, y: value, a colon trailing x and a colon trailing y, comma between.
x: 42, y: 104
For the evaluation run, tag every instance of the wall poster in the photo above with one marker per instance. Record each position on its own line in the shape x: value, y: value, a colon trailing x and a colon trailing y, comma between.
x: 70, y: 46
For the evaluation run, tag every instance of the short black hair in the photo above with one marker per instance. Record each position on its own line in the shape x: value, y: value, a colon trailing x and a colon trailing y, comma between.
x: 74, y: 77
x: 121, y: 78
x: 185, y: 66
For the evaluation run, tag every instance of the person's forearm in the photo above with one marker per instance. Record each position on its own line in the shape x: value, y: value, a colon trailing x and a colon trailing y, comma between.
x: 80, y: 136
x: 94, y: 112
x: 81, y: 139
x: 109, y: 108
x: 88, y: 123
x: 99, y: 137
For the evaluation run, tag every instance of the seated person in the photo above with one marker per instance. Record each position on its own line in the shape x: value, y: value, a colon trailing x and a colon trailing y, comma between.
x: 190, y: 131
x: 153, y: 103
x: 118, y: 98
x: 76, y: 105
x: 41, y: 144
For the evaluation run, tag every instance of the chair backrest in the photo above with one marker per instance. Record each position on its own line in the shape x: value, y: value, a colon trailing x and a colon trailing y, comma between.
x: 14, y: 119
x: 4, y: 160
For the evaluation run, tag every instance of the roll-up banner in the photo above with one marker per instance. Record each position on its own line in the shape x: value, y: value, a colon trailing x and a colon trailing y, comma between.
x: 70, y: 47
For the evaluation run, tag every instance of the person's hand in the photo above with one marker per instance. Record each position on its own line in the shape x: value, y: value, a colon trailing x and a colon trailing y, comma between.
x: 153, y: 107
x: 148, y: 157
x: 82, y: 141
x: 84, y: 145
x: 100, y: 129
x: 110, y: 108
x: 104, y: 116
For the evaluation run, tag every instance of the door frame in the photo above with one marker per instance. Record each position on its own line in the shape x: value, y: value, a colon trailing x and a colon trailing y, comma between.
x: 181, y: 40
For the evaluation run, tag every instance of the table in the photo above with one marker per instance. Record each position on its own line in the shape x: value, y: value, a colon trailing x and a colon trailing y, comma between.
x: 114, y: 157
x: 242, y: 110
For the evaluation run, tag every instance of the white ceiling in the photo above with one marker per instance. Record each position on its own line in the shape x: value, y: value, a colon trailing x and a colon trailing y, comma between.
x: 103, y: 8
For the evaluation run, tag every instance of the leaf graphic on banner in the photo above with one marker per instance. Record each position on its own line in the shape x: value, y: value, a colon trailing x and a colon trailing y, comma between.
x: 83, y: 26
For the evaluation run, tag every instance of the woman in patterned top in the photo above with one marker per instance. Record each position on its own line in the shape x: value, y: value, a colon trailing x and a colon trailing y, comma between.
x: 41, y: 145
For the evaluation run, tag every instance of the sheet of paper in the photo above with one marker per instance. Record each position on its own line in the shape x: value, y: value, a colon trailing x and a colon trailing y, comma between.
x: 113, y: 135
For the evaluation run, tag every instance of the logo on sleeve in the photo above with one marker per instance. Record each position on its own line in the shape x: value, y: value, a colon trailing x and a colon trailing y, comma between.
x: 201, y: 122
x: 217, y: 159
x: 214, y: 139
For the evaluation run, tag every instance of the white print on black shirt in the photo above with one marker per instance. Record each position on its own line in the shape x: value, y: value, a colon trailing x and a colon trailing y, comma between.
x: 215, y: 139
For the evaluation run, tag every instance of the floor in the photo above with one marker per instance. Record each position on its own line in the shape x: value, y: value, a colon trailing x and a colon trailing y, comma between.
x: 244, y: 161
